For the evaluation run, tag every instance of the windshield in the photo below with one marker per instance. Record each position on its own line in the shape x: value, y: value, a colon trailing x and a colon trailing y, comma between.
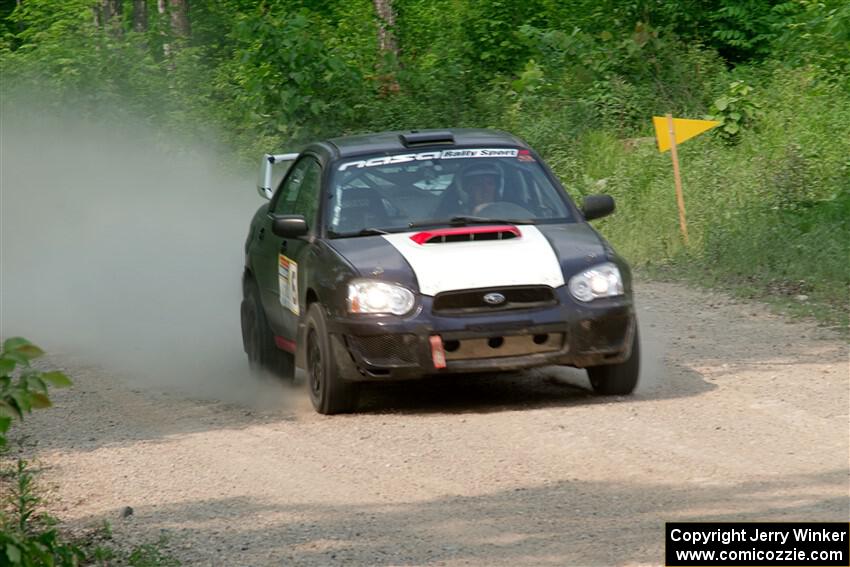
x: 392, y: 192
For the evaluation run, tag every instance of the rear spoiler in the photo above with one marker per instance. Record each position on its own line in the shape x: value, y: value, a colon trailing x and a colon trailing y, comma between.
x: 270, y: 176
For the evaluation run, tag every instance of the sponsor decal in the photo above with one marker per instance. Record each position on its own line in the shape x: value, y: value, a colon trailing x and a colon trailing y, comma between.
x: 287, y: 279
x: 525, y: 155
x: 493, y: 152
x: 444, y: 154
x: 390, y: 160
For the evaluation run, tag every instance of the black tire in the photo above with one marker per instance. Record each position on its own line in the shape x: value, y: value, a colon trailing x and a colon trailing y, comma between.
x: 617, y: 379
x: 329, y: 393
x: 258, y: 339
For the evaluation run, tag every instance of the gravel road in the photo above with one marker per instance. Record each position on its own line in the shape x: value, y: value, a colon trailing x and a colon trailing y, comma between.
x: 740, y: 415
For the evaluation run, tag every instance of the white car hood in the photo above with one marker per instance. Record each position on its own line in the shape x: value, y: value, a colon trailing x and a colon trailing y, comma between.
x: 439, y: 267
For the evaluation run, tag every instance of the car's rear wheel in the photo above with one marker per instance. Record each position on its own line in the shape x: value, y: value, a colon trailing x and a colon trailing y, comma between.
x: 617, y: 379
x: 258, y: 339
x: 329, y: 392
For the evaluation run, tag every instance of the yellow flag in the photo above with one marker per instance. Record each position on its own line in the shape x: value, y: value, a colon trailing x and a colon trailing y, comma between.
x: 684, y: 129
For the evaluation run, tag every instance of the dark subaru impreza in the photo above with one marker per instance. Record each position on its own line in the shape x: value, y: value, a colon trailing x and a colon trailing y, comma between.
x: 404, y: 255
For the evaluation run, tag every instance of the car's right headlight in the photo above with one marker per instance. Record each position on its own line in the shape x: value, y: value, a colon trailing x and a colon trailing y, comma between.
x: 374, y: 296
x: 603, y: 280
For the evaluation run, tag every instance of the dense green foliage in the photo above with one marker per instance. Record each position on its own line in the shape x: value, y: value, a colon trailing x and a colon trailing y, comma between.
x: 768, y: 193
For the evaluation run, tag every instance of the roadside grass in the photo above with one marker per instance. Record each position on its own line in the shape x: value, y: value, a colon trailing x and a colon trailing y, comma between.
x: 101, y: 549
x: 768, y: 211
x: 152, y: 555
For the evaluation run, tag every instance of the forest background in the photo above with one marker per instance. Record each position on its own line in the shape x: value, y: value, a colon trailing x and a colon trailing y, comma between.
x: 767, y: 193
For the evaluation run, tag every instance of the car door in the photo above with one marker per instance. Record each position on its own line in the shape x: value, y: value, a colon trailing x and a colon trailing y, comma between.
x: 299, y: 196
x: 269, y: 248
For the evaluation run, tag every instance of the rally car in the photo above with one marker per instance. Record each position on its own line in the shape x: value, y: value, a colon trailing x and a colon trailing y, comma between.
x: 405, y: 255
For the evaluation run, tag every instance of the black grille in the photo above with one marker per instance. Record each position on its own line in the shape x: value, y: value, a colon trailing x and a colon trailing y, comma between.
x: 472, y: 300
x: 386, y: 350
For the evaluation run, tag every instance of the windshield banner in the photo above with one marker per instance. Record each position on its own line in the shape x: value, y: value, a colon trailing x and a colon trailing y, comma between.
x: 444, y: 154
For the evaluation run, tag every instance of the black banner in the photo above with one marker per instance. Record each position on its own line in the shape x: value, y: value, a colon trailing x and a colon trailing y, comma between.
x: 745, y: 544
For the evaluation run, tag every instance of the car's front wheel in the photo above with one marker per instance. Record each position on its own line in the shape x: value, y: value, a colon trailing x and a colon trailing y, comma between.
x: 617, y: 379
x: 329, y: 392
x: 258, y: 339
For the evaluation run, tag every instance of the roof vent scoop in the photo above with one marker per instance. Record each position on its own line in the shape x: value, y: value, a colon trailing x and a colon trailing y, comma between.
x: 415, y: 138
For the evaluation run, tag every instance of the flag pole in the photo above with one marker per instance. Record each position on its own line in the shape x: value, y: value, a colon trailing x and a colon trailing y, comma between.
x: 683, y: 224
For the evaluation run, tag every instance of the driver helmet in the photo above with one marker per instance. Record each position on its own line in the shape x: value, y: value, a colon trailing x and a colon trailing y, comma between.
x: 482, y: 184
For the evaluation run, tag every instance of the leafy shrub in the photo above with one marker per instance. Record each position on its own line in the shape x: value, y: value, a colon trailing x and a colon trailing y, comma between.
x: 27, y: 538
x: 20, y: 395
x: 623, y: 78
x: 735, y: 110
x: 282, y: 79
x: 816, y: 32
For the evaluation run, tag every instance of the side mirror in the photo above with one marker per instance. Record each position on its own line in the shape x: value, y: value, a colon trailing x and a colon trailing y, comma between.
x: 597, y: 206
x: 289, y: 226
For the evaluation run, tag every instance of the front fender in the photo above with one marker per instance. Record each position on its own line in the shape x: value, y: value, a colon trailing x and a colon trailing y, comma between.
x: 327, y: 286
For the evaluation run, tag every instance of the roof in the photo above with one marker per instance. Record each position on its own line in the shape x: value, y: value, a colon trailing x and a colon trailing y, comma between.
x: 392, y: 142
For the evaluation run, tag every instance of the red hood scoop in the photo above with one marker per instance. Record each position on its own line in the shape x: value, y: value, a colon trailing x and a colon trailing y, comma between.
x: 466, y: 234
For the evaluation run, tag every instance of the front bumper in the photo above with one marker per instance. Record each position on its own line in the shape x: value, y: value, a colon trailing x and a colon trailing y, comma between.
x: 369, y: 348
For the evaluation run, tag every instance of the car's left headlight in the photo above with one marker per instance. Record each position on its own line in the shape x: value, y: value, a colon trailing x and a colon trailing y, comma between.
x: 373, y: 296
x: 603, y: 280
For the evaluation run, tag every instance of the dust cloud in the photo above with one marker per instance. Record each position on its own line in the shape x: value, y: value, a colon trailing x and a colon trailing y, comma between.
x: 121, y: 253
x: 126, y: 254
x: 654, y: 343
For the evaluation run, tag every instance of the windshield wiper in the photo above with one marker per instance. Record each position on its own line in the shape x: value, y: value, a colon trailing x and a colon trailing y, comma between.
x: 371, y: 230
x: 467, y: 220
x: 364, y: 232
